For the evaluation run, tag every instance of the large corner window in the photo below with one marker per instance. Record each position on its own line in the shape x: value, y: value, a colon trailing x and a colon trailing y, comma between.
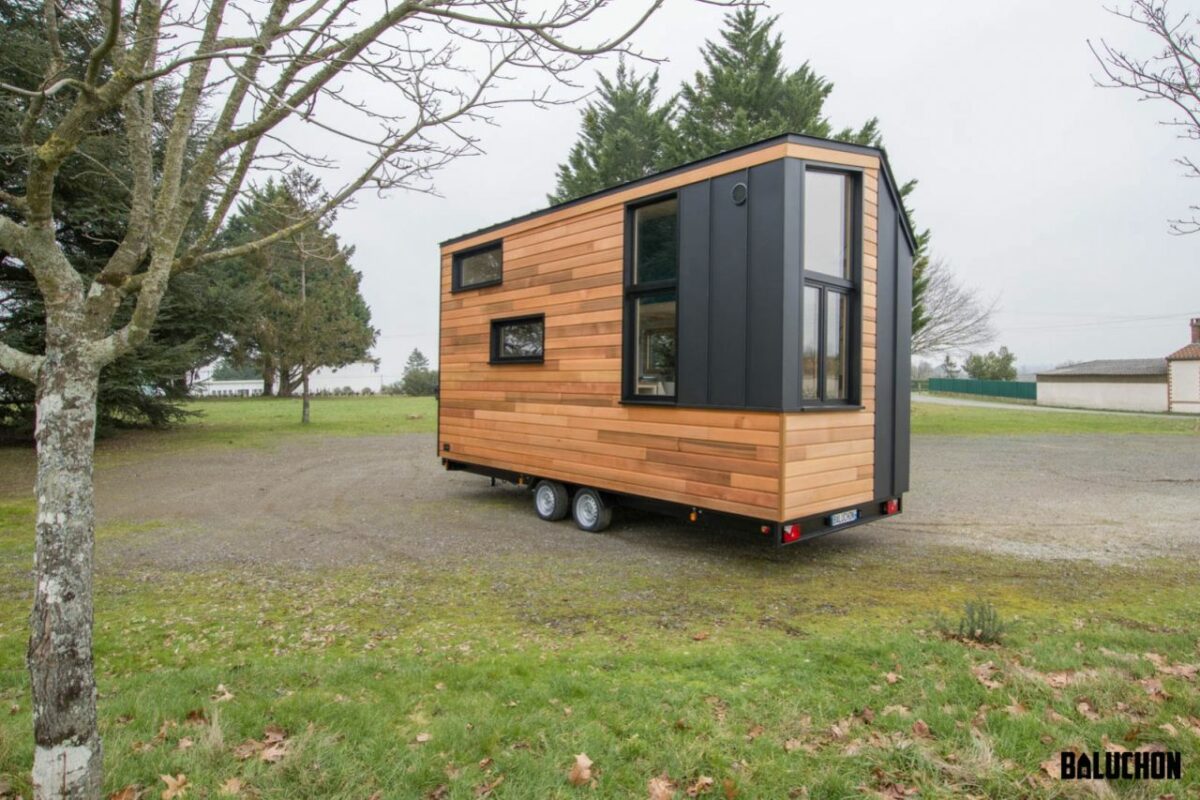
x: 478, y: 267
x: 830, y: 287
x: 519, y: 340
x: 651, y: 302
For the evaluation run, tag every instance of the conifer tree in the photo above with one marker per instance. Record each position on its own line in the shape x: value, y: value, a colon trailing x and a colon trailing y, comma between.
x: 624, y: 136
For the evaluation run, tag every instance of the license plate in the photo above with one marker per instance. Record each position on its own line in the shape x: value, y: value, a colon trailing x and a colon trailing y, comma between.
x: 842, y: 517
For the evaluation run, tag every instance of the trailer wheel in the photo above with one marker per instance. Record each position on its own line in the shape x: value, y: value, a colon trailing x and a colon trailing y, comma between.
x: 590, y: 511
x: 551, y: 501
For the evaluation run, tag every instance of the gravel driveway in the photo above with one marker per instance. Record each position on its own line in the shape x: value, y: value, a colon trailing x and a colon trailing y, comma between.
x: 345, y: 501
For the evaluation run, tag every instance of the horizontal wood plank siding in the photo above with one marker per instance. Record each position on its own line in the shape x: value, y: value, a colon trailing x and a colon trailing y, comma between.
x: 563, y: 418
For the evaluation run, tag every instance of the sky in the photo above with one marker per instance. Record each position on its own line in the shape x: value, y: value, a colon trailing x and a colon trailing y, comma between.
x: 1046, y: 193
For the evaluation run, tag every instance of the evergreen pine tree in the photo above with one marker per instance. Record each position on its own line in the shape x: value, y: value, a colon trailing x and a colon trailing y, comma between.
x: 624, y: 136
x: 746, y: 93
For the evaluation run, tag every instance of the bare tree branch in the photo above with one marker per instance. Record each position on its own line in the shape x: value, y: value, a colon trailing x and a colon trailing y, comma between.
x: 1172, y: 76
x: 959, y: 318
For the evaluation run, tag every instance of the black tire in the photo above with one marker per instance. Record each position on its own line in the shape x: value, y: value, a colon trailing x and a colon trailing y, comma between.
x: 551, y: 501
x: 590, y: 511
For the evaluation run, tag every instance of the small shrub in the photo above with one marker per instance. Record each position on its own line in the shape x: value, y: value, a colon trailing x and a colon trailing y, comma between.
x: 980, y: 622
x: 367, y: 391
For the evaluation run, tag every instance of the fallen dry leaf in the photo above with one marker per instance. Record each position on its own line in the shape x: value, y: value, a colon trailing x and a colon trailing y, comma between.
x: 581, y: 771
x: 486, y: 789
x: 484, y: 763
x: 423, y: 737
x: 729, y: 789
x: 1154, y: 688
x: 1087, y: 710
x: 222, y: 694
x: 754, y: 732
x: 867, y: 716
x: 701, y: 636
x: 700, y: 786
x: 921, y: 730
x: 130, y: 792
x: 176, y: 787
x: 841, y: 729
x: 1015, y: 708
x: 274, y: 752
x: 439, y: 792
x: 661, y: 788
x: 1054, y: 716
x: 231, y: 787
x: 185, y: 743
x: 899, y: 711
x: 247, y: 749
x: 1161, y: 664
x: 892, y: 677
x: 1169, y: 728
x: 984, y: 674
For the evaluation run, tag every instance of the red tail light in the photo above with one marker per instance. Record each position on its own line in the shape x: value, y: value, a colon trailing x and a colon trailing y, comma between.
x: 891, y: 506
x: 791, y: 533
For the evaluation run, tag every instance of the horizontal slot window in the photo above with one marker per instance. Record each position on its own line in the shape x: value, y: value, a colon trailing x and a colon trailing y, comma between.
x: 483, y: 266
x: 521, y: 340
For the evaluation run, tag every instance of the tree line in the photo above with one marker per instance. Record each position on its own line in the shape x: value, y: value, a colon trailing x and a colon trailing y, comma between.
x: 745, y: 93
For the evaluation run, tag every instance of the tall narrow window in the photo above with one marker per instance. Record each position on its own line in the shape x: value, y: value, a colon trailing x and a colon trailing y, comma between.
x: 830, y: 287
x: 651, y: 308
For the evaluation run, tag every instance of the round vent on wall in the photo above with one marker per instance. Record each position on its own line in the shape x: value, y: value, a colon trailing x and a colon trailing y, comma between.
x: 739, y: 194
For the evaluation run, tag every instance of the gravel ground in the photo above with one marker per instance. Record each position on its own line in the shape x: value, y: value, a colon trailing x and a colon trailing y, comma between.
x: 342, y: 501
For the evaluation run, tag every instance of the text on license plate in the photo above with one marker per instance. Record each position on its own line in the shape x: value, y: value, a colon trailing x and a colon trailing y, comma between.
x: 842, y: 517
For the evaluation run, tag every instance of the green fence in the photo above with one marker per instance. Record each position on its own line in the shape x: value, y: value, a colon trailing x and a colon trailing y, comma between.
x: 1020, y: 390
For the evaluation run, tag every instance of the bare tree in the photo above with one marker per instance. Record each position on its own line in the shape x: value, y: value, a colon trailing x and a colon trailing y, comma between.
x: 393, y: 79
x: 959, y: 317
x: 1171, y: 75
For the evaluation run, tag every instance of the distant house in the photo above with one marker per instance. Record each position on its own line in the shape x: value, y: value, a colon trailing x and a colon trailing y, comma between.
x: 1183, y: 382
x: 1130, y: 384
x: 360, y: 377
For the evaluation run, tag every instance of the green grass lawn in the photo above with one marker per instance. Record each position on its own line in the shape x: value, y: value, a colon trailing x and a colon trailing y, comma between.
x: 929, y: 419
x: 821, y: 675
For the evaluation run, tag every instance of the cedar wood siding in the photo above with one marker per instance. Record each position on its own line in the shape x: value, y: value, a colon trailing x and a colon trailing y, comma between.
x: 563, y: 418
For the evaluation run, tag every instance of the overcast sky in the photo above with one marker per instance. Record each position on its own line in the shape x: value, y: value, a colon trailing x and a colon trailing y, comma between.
x: 1042, y: 190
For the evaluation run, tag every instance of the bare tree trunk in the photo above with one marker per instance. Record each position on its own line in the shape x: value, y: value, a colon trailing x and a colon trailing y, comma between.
x: 268, y: 378
x: 67, y: 761
x: 304, y: 405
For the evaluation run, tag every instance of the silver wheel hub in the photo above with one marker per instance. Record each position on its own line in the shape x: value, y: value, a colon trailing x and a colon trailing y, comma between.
x: 545, y: 500
x: 587, y: 509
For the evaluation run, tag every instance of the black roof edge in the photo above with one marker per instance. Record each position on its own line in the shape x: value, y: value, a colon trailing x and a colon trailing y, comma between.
x: 792, y: 138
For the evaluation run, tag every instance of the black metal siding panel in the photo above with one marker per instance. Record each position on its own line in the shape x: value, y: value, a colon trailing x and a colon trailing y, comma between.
x: 764, y: 311
x: 793, y: 254
x: 904, y: 268
x: 885, y: 350
x: 727, y: 294
x: 692, y: 349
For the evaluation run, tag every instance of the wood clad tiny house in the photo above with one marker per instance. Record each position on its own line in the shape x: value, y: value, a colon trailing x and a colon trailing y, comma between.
x: 730, y: 336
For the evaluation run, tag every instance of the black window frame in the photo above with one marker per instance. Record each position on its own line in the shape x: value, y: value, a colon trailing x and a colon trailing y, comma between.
x: 494, y: 355
x: 836, y: 285
x: 635, y: 291
x: 456, y: 284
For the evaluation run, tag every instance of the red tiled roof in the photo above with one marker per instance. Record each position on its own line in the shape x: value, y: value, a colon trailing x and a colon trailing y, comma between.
x: 1189, y: 353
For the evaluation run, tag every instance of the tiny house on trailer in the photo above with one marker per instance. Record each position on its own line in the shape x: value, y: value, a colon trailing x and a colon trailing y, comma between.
x: 727, y: 338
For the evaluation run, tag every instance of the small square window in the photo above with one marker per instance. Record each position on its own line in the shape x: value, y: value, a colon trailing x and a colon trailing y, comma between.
x: 474, y: 269
x: 518, y: 341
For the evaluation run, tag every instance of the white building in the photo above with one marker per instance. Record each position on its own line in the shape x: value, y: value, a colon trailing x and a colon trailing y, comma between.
x: 1131, y: 384
x: 357, y: 378
x: 1183, y: 382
